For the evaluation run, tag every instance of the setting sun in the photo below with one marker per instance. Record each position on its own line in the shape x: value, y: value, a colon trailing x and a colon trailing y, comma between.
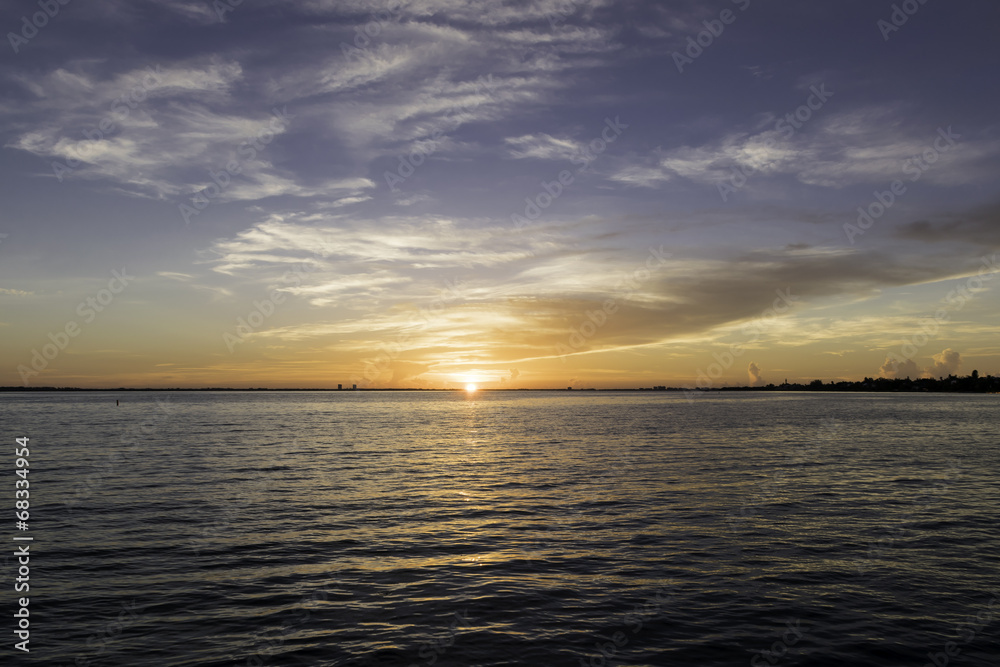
x: 470, y: 387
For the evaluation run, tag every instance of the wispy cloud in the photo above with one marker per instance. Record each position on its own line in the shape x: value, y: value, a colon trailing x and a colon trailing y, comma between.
x: 866, y: 146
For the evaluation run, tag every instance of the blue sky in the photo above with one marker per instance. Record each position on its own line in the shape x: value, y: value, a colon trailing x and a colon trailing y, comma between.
x: 534, y: 193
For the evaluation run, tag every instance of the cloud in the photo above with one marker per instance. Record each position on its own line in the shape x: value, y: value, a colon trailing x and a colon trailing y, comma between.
x: 402, y: 371
x: 155, y: 132
x: 894, y: 367
x: 544, y: 146
x: 753, y: 371
x: 640, y: 176
x: 396, y: 245
x: 980, y: 226
x: 419, y: 75
x: 870, y: 145
x: 525, y: 293
x: 485, y: 13
x: 947, y: 362
x: 711, y: 163
x: 196, y: 12
x: 136, y: 13
x: 417, y: 83
x: 833, y: 150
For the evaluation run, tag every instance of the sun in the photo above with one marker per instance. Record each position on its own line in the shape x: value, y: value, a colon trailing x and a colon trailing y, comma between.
x: 470, y: 387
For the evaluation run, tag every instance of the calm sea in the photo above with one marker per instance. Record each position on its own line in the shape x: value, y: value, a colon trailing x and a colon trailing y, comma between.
x: 514, y: 528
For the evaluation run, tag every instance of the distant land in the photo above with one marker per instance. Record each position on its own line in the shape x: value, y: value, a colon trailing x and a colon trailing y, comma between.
x: 970, y: 384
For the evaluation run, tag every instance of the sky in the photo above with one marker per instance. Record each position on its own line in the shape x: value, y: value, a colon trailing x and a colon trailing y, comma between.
x: 529, y: 194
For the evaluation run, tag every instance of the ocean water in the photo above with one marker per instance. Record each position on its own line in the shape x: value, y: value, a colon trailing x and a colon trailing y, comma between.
x: 508, y: 528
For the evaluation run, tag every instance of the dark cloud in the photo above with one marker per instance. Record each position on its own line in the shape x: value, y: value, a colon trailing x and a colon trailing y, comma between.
x: 757, y: 286
x: 981, y: 227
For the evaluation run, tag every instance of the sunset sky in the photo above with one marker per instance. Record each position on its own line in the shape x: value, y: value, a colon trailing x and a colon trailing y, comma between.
x: 539, y: 193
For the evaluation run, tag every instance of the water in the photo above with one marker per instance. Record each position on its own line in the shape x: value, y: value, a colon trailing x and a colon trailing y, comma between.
x: 514, y: 528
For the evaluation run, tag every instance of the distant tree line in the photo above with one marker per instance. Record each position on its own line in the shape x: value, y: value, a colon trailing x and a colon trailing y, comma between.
x: 970, y: 384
